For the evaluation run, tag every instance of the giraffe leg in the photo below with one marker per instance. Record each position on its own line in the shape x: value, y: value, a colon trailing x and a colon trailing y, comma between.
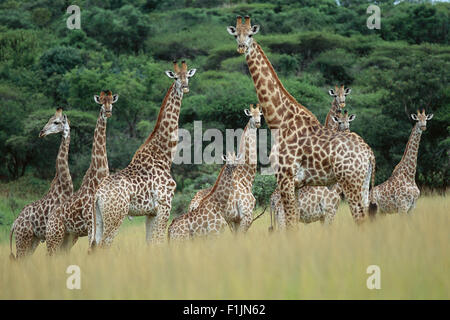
x: 289, y: 201
x: 247, y: 216
x: 150, y: 225
x: 24, y: 242
x: 55, y: 234
x: 110, y: 210
x: 160, y: 224
x: 355, y: 203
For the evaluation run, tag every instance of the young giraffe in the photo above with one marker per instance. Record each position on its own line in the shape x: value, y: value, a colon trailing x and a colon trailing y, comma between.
x: 72, y: 219
x: 315, y: 203
x: 337, y: 105
x: 208, y: 217
x: 145, y: 187
x: 399, y: 193
x: 308, y: 153
x: 30, y: 225
x: 239, y: 213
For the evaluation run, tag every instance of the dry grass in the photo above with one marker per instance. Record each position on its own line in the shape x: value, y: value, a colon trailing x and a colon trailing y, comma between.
x: 315, y: 262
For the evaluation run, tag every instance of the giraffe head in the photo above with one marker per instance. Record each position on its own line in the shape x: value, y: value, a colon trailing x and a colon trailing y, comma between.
x: 422, y: 119
x: 231, y: 160
x: 57, y: 123
x: 339, y: 95
x: 343, y: 120
x: 181, y: 76
x: 243, y: 32
x: 255, y: 116
x: 106, y: 99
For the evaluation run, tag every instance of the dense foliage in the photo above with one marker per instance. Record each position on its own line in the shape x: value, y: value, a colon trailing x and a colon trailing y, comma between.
x: 126, y: 45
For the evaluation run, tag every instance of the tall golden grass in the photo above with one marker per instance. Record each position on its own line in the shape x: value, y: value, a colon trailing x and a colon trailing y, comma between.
x: 313, y: 262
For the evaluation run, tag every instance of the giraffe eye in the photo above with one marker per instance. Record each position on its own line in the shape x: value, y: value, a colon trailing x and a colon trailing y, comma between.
x: 250, y: 35
x: 235, y: 36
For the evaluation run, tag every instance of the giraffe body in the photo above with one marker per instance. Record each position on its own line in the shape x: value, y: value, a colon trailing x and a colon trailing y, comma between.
x: 208, y: 218
x: 306, y: 154
x: 72, y: 219
x: 30, y: 225
x: 145, y: 187
x: 315, y: 203
x: 239, y: 213
x: 400, y: 193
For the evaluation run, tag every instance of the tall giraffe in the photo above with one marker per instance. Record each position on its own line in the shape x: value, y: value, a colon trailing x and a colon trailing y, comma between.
x: 30, y: 225
x: 316, y: 203
x: 72, y: 219
x: 337, y: 105
x: 239, y: 213
x: 145, y: 187
x: 399, y: 193
x: 307, y: 152
x: 208, y: 217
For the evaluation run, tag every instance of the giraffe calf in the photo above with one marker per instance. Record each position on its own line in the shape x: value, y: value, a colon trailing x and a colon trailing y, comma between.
x: 207, y: 218
x: 316, y: 204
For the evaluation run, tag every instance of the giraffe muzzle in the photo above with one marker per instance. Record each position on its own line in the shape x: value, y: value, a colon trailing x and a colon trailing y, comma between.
x: 185, y: 89
x: 241, y: 49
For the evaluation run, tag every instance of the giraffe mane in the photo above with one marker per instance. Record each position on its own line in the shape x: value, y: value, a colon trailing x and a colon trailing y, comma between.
x: 280, y: 85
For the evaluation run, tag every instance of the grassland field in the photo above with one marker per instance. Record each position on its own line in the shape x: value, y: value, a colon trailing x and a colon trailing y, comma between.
x: 313, y: 262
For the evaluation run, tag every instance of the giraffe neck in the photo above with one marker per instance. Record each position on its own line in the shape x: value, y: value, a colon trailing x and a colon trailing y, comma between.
x: 220, y: 192
x: 329, y: 123
x: 407, y: 166
x: 277, y: 104
x: 62, y: 183
x: 164, y: 137
x: 247, y: 147
x: 98, y: 168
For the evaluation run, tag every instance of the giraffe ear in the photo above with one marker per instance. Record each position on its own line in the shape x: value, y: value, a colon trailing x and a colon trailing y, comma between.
x: 97, y: 99
x: 347, y: 91
x: 231, y: 30
x: 170, y: 74
x: 331, y: 92
x: 191, y: 73
x: 414, y: 116
x: 115, y: 98
x: 335, y: 119
x: 247, y: 112
x: 351, y: 117
x: 430, y: 116
x: 255, y: 29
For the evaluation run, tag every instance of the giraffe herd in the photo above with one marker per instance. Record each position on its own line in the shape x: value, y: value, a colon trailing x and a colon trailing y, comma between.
x: 315, y: 165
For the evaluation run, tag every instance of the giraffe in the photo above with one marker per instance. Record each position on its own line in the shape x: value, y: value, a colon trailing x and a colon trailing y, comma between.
x: 337, y: 105
x: 315, y: 203
x: 399, y: 193
x: 207, y: 218
x: 145, y: 187
x: 72, y: 219
x: 342, y: 120
x: 307, y: 153
x: 30, y: 225
x: 239, y: 213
